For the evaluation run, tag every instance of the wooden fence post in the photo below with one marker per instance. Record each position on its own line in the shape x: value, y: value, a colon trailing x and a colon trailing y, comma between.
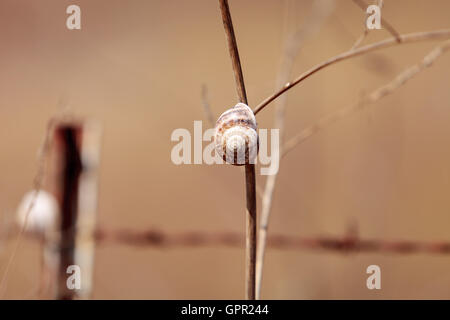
x: 77, y: 147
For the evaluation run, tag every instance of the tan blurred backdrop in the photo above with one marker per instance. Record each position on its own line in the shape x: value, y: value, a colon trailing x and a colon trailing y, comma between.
x: 138, y: 67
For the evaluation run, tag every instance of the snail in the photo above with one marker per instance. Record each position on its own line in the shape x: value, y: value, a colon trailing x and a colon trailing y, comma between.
x: 39, y: 211
x: 236, y: 139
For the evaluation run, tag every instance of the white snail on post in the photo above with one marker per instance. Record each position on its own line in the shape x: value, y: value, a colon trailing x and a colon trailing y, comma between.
x: 236, y: 139
x: 38, y: 211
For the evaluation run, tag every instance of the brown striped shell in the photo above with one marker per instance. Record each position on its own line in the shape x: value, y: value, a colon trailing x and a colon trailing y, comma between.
x: 236, y: 139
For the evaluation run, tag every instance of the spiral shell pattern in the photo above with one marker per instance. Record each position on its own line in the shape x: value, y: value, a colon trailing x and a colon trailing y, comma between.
x: 236, y: 139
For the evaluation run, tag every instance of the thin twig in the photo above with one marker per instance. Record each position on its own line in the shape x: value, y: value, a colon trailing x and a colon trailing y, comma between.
x: 384, y: 23
x: 37, y: 185
x: 407, y: 38
x: 376, y: 95
x: 250, y: 179
x: 233, y: 50
x: 206, y: 106
x: 360, y: 39
x: 320, y: 11
x: 38, y: 181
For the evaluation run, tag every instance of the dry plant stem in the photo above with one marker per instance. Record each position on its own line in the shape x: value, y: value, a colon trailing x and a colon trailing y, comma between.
x: 250, y: 179
x: 251, y: 234
x: 206, y: 106
x: 360, y: 39
x: 384, y: 23
x: 407, y: 38
x: 376, y: 95
x: 363, y: 36
x: 37, y: 185
x: 233, y: 50
x: 292, y: 45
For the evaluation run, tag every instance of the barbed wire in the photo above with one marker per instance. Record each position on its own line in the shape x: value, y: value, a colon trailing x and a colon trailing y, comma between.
x: 350, y: 242
x: 345, y: 244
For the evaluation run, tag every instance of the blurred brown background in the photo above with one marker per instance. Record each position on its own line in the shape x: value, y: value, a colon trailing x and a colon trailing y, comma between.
x: 138, y: 67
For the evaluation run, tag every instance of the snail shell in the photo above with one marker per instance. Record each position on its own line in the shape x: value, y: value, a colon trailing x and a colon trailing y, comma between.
x: 236, y: 139
x: 43, y: 214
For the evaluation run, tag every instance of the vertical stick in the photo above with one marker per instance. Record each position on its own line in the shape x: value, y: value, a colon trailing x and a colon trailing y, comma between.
x: 87, y: 206
x: 68, y: 137
x: 250, y: 179
x: 77, y: 157
x: 250, y: 259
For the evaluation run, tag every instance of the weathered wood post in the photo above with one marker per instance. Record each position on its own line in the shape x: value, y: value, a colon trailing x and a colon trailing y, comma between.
x: 76, y: 158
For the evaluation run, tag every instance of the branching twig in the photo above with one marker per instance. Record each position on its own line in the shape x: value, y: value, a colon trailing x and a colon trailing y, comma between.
x: 376, y: 95
x: 360, y: 39
x: 250, y: 179
x: 206, y: 106
x: 384, y: 23
x: 37, y: 185
x: 407, y: 38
